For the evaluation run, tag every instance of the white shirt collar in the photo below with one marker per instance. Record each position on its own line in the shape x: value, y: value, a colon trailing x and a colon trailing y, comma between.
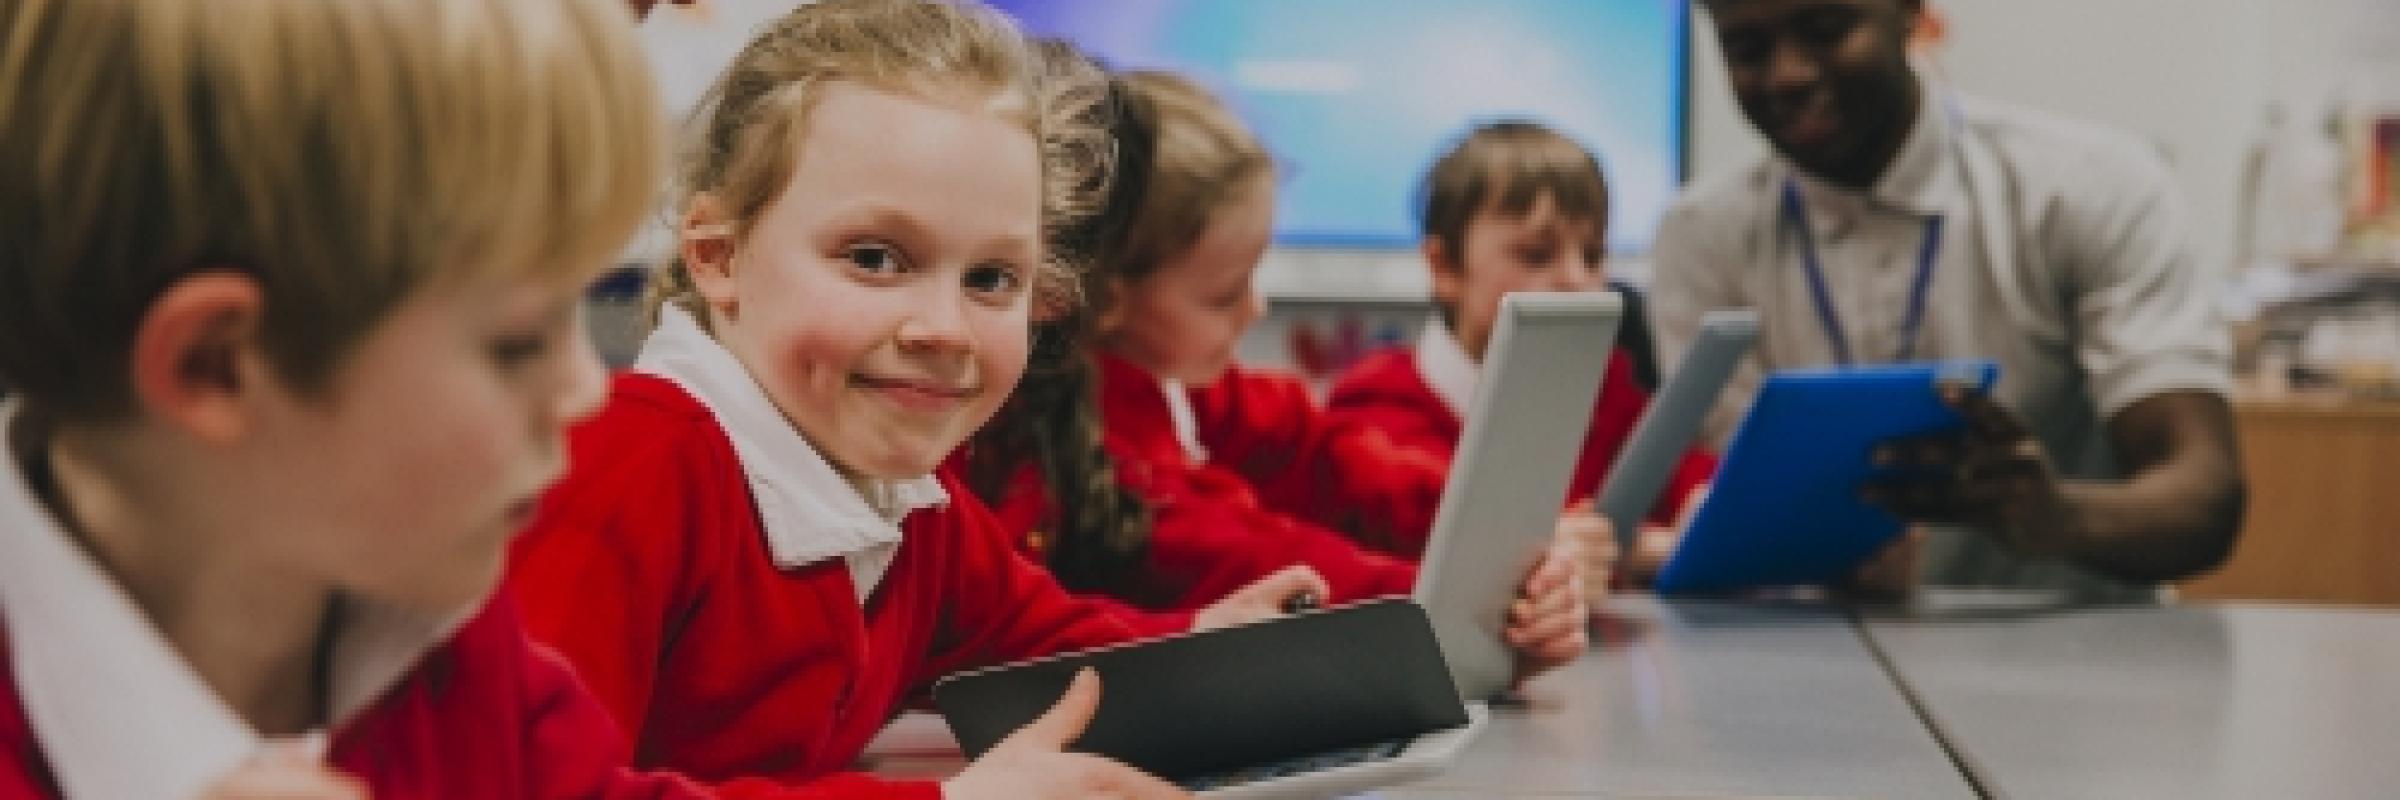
x: 117, y: 710
x: 1183, y: 419
x: 1442, y: 360
x: 809, y: 511
x: 1918, y: 178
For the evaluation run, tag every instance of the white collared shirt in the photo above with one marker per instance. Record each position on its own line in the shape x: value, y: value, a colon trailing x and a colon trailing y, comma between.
x: 2066, y: 257
x: 809, y: 511
x: 1443, y: 361
x: 119, y: 712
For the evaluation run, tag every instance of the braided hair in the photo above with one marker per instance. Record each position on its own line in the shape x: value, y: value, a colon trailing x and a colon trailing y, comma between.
x: 1099, y: 532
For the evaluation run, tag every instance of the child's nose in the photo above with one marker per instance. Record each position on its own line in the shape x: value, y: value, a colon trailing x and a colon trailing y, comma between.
x: 938, y: 322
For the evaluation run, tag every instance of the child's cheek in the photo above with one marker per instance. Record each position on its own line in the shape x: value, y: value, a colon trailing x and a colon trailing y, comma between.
x: 1005, y: 344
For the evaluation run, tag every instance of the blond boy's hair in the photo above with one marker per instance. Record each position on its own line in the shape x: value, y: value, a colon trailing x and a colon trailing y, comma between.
x: 342, y: 154
x: 748, y: 129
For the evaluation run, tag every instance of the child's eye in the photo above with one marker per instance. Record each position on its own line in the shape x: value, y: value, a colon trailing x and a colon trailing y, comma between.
x: 518, y: 349
x: 1536, y: 257
x: 875, y: 258
x: 994, y: 279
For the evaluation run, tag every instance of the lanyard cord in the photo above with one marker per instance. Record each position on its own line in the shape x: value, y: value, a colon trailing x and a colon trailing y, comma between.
x: 1795, y: 215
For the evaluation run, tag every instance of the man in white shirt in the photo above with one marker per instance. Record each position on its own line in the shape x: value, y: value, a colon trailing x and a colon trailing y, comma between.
x: 1898, y: 221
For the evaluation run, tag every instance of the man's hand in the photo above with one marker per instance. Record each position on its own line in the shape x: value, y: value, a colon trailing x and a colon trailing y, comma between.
x: 1992, y: 476
x: 1890, y: 574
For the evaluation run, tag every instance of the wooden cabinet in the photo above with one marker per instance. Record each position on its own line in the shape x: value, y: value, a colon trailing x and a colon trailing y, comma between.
x: 2324, y: 522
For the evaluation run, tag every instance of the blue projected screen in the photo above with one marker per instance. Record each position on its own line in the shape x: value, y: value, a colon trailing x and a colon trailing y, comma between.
x: 1357, y: 97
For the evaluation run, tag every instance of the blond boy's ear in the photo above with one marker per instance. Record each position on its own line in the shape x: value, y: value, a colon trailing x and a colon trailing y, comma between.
x: 1449, y: 275
x: 707, y: 243
x: 199, y: 355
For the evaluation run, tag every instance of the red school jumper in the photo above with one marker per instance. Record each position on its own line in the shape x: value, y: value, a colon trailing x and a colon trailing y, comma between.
x: 1386, y: 391
x: 648, y: 568
x: 1281, y: 484
x: 486, y: 714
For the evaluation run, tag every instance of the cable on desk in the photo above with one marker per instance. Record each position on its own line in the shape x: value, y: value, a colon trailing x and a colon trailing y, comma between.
x: 1977, y: 780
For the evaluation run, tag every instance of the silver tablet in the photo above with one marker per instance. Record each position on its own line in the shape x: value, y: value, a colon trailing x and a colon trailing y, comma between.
x: 1673, y: 420
x: 1524, y: 433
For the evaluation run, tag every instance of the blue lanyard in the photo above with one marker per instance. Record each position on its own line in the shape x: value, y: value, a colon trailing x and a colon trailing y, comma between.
x: 1796, y: 215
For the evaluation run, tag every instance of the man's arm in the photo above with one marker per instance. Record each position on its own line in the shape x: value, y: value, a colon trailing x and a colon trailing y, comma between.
x: 2179, y: 510
x: 2176, y: 513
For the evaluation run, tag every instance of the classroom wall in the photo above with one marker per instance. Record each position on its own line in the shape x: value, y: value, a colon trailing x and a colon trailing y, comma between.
x: 2195, y: 76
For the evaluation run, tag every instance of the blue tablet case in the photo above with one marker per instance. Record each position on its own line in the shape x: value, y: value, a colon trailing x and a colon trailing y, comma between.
x: 1784, y: 509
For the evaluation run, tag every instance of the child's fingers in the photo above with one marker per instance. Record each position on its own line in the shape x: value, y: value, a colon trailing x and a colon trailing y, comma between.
x: 281, y: 776
x: 1566, y: 599
x: 1296, y: 581
x: 1543, y: 628
x: 1548, y: 575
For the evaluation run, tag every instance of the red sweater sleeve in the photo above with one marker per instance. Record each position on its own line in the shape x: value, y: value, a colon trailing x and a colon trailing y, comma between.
x: 1206, y: 549
x: 607, y: 566
x: 577, y: 764
x: 1329, y: 471
x: 1025, y: 513
x: 1384, y: 392
x: 613, y: 563
x: 1007, y: 608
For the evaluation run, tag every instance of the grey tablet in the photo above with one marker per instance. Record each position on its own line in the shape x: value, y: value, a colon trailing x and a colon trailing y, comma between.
x: 1524, y: 433
x: 1673, y: 420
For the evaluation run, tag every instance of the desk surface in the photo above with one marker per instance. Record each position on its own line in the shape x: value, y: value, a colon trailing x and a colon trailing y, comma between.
x: 2189, y: 701
x: 1704, y: 699
x: 1701, y: 699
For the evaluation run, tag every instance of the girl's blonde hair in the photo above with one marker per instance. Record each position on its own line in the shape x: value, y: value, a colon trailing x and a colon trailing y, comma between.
x: 748, y: 129
x: 343, y: 154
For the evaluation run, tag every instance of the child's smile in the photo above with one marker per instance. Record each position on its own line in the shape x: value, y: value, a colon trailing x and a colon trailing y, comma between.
x: 882, y: 301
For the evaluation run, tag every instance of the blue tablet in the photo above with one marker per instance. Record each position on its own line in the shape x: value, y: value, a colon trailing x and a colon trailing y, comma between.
x: 1784, y: 509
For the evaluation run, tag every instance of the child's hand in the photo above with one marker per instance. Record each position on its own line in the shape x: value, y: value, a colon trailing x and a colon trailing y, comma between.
x: 1033, y: 762
x: 286, y: 772
x: 1654, y: 544
x: 1546, y: 623
x: 1598, y: 541
x: 1263, y: 598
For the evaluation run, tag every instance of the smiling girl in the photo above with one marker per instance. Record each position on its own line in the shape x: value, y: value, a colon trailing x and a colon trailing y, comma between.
x: 753, y: 559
